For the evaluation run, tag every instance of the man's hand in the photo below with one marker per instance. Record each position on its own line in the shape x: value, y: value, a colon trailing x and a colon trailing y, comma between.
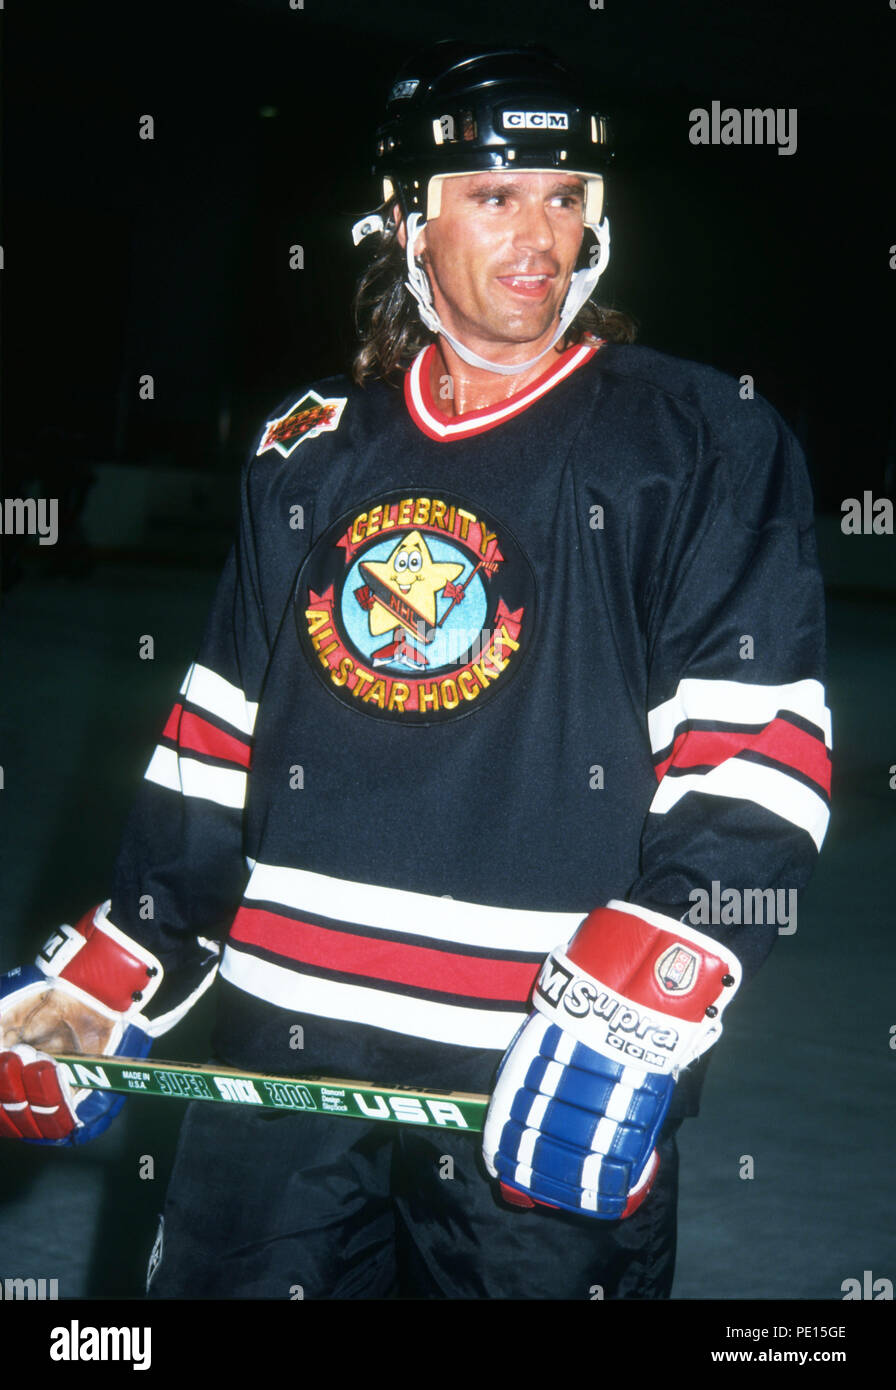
x: 84, y: 993
x: 586, y: 1084
x: 52, y: 1021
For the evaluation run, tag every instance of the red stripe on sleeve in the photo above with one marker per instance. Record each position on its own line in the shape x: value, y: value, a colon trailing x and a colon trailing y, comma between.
x: 477, y: 977
x: 198, y: 736
x: 173, y: 723
x: 780, y: 740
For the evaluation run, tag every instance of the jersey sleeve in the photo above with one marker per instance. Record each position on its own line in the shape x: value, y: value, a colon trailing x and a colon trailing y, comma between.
x: 181, y: 868
x: 738, y: 725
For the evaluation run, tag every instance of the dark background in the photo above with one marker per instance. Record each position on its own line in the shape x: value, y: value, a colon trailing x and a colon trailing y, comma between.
x: 171, y: 257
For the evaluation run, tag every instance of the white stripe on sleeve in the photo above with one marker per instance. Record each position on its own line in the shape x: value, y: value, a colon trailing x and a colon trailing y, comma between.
x: 223, y: 785
x: 748, y: 781
x: 211, y: 692
x: 737, y: 702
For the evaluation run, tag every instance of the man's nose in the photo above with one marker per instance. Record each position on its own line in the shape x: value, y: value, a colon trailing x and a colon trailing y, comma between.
x: 533, y: 231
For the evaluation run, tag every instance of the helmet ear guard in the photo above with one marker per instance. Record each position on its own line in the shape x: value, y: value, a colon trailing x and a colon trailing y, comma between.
x: 367, y: 225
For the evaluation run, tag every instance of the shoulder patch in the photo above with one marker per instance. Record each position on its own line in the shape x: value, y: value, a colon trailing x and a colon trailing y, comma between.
x: 307, y: 417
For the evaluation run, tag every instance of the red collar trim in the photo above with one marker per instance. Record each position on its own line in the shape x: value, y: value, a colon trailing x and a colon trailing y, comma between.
x: 427, y: 416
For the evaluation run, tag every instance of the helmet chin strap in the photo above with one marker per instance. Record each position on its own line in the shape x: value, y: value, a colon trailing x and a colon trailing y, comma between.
x: 580, y: 288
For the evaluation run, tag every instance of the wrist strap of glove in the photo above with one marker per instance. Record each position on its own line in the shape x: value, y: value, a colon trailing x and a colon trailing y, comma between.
x: 97, y: 961
x: 639, y: 987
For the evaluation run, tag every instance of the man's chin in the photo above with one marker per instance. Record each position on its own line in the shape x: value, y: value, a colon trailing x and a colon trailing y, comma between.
x: 509, y: 333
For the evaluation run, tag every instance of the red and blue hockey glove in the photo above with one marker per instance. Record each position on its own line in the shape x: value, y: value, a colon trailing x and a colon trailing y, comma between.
x: 84, y: 993
x: 586, y: 1083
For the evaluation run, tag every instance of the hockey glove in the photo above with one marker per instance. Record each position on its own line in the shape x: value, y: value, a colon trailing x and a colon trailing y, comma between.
x: 84, y: 993
x: 586, y: 1083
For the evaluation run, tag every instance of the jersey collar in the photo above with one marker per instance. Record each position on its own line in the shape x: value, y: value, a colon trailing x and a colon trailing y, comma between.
x: 434, y: 423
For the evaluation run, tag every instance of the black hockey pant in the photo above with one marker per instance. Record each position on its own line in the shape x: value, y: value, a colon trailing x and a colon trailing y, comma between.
x: 281, y: 1206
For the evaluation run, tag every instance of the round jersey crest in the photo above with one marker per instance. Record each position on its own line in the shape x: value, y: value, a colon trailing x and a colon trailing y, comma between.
x: 415, y: 608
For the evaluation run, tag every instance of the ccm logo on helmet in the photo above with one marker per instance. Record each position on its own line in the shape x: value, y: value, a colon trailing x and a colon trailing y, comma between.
x: 536, y: 120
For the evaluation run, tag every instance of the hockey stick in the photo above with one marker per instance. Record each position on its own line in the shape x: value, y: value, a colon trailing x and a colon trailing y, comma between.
x: 322, y: 1095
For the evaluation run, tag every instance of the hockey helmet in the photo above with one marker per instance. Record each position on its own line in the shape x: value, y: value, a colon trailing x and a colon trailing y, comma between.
x: 458, y: 109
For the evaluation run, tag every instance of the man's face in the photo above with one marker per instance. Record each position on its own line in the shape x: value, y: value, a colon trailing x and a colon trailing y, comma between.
x: 501, y: 253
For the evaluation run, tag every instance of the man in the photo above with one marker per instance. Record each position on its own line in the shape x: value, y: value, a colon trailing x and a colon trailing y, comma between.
x: 525, y: 653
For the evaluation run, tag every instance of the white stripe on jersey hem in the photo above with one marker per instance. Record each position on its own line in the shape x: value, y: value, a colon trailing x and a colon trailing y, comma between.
x: 480, y: 422
x: 211, y: 692
x: 736, y: 702
x: 498, y: 929
x: 223, y: 785
x: 380, y: 1008
x: 747, y: 781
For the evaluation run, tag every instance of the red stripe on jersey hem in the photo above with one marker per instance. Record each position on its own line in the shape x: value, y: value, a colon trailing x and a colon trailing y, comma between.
x: 780, y: 741
x: 437, y: 425
x: 420, y: 967
x: 195, y: 735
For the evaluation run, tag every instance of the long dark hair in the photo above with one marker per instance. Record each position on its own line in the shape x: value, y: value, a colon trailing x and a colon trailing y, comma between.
x: 391, y: 333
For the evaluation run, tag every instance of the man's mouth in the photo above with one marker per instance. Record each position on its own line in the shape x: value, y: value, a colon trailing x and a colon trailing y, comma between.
x: 531, y: 286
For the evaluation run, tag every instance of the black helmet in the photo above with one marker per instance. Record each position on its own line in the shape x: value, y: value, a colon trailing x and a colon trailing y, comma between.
x: 457, y: 108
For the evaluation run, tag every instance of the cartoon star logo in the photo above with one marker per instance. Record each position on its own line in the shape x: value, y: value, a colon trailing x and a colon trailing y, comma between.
x: 412, y: 574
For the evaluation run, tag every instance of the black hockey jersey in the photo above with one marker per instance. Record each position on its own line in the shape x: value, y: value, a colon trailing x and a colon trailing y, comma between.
x: 467, y: 678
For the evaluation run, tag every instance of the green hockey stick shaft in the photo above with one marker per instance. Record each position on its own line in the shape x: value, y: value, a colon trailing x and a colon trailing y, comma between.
x: 359, y: 1100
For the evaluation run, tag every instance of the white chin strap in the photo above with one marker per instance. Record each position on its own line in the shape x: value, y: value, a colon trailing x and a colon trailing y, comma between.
x: 580, y: 289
